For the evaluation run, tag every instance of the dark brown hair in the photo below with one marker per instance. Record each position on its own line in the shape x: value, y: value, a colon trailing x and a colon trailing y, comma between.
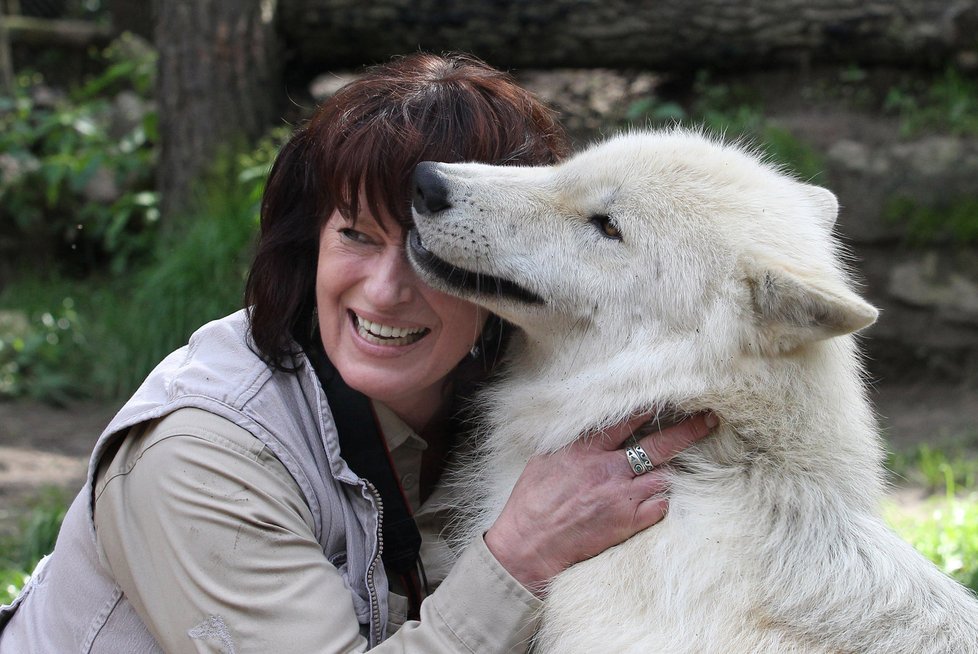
x: 369, y: 137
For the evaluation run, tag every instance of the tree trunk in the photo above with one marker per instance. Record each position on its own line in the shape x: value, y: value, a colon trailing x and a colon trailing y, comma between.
x: 219, y: 86
x: 6, y: 60
x: 655, y: 34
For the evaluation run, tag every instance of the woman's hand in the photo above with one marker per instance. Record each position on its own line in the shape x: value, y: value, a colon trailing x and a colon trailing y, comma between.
x: 579, y: 501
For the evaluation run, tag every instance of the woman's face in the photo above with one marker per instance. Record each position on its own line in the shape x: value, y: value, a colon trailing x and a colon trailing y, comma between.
x: 389, y: 335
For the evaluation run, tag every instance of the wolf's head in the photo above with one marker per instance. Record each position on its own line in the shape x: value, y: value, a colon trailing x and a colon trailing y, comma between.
x: 648, y: 232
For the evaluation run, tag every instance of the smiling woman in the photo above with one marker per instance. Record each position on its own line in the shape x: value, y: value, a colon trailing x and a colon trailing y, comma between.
x: 274, y: 484
x: 389, y: 335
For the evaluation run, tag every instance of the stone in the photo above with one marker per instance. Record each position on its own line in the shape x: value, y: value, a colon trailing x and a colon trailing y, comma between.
x: 943, y: 289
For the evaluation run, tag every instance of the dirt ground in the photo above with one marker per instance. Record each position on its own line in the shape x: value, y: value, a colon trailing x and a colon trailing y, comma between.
x: 42, y: 446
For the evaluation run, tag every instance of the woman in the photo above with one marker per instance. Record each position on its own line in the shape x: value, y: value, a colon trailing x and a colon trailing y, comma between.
x: 220, y: 512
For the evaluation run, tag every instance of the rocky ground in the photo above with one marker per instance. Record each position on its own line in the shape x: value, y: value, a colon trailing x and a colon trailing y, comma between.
x: 42, y: 448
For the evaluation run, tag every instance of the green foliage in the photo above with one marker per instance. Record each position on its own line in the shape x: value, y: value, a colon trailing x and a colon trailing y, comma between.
x: 35, y: 538
x: 36, y: 354
x: 955, y: 220
x: 946, y: 533
x: 121, y: 326
x: 799, y: 157
x: 726, y: 108
x: 948, y: 104
x: 41, y: 529
x: 12, y: 579
x: 131, y: 322
x: 939, y: 470
x: 945, y: 529
x: 654, y: 111
x: 735, y: 113
x: 193, y: 277
x: 67, y: 183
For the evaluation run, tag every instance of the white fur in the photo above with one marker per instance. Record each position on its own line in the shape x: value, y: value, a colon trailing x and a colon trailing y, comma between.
x: 726, y: 292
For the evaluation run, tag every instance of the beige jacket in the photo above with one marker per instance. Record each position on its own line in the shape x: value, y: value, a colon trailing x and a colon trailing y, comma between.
x: 160, y: 534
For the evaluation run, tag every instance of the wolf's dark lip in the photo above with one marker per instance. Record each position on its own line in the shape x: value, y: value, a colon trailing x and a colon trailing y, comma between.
x: 465, y: 280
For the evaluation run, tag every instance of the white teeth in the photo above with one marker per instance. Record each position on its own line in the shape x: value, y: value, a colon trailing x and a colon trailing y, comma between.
x: 375, y: 331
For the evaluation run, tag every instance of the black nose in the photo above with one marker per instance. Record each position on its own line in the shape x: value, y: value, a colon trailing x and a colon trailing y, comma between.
x: 430, y: 190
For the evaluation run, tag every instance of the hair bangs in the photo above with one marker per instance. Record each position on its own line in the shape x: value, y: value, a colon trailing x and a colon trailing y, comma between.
x: 448, y: 116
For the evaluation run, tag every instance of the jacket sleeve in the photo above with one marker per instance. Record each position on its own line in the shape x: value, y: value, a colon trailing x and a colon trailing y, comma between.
x: 209, y: 538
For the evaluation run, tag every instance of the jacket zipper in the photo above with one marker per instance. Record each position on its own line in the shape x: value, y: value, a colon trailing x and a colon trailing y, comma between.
x: 371, y: 586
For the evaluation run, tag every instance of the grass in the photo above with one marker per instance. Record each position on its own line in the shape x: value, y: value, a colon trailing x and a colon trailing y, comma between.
x: 11, y: 581
x: 945, y: 530
x: 939, y: 470
x: 945, y: 527
x: 35, y: 537
x: 100, y: 336
x: 197, y: 276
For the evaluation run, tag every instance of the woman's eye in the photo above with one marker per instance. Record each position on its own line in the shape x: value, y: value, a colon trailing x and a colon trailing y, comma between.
x: 354, y: 235
x: 607, y: 226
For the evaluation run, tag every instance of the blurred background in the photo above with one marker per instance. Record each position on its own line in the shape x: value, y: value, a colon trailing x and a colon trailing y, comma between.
x: 135, y: 137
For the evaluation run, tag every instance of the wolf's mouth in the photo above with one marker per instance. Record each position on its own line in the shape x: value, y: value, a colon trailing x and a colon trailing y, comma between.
x: 474, y: 283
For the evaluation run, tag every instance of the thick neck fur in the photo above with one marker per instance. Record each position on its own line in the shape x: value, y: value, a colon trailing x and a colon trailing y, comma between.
x: 799, y: 414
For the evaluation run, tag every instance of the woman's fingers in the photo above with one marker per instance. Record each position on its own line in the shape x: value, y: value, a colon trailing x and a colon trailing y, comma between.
x: 648, y: 488
x: 649, y: 512
x: 613, y: 437
x: 662, y: 445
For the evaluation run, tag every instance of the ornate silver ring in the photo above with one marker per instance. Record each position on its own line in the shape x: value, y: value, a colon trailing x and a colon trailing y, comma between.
x: 637, y: 458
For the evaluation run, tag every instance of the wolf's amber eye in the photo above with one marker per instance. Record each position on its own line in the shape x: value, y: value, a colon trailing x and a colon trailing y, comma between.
x: 607, y: 226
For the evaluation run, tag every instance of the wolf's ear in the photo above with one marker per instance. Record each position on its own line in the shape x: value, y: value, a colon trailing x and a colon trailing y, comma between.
x: 825, y: 203
x: 790, y: 310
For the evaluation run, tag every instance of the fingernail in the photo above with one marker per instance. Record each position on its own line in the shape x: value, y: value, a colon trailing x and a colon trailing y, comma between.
x: 711, y: 420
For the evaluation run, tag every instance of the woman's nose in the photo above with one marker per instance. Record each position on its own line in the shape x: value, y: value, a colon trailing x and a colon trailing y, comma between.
x: 391, y: 280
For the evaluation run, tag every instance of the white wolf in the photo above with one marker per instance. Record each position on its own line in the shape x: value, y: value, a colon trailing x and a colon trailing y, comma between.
x: 669, y: 270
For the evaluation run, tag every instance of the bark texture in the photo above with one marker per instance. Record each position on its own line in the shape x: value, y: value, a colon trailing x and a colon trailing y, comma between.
x: 659, y: 34
x: 218, y: 86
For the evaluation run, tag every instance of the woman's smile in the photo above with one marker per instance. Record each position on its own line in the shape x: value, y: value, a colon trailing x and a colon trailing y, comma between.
x: 385, y: 334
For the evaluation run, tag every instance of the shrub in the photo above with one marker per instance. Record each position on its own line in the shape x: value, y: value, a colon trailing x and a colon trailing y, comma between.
x: 948, y: 103
x: 37, y: 353
x: 937, y: 469
x: 945, y: 527
x: 76, y: 184
x: 954, y: 220
x: 121, y: 326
